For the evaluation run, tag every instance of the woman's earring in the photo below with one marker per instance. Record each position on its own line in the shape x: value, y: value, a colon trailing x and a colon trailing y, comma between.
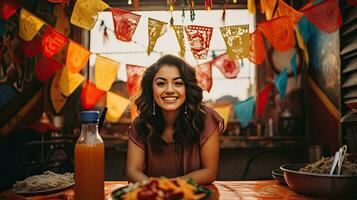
x: 153, y: 108
x: 185, y: 108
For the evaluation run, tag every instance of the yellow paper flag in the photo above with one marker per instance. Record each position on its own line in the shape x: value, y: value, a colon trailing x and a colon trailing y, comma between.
x: 301, y: 44
x: 105, y: 72
x: 156, y: 29
x: 116, y: 106
x: 251, y: 6
x: 180, y: 38
x: 224, y: 111
x: 29, y: 25
x: 69, y: 81
x: 85, y: 12
x: 237, y: 40
x: 77, y: 57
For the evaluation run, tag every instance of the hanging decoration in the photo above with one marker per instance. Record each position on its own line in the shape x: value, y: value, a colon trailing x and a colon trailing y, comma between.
x: 116, y: 106
x: 52, y: 41
x: 156, y: 29
x: 256, y: 48
x: 228, y: 67
x: 57, y: 100
x: 29, y: 25
x: 69, y: 81
x: 244, y: 111
x: 301, y: 44
x: 237, y: 40
x: 125, y: 24
x: 90, y: 95
x: 180, y: 39
x: 204, y: 76
x: 262, y: 100
x: 134, y: 75
x: 267, y: 7
x: 293, y: 63
x: 77, y: 57
x: 224, y: 111
x: 85, y: 12
x: 105, y: 71
x: 279, y: 32
x: 199, y: 38
x: 33, y: 47
x: 326, y: 16
x: 208, y: 4
x: 46, y: 67
x: 285, y: 10
x: 8, y: 8
x: 251, y: 6
x: 281, y: 83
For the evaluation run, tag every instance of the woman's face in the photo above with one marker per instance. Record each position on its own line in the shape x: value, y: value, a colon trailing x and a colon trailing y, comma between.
x: 169, y: 89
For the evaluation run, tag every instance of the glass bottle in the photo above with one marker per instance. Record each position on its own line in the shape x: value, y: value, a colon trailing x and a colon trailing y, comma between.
x: 89, y: 160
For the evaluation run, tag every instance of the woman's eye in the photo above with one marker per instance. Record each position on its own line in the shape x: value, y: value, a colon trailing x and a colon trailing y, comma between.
x: 179, y: 83
x: 160, y: 83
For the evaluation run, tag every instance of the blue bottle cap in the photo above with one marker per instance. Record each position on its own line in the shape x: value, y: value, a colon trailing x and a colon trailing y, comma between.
x: 89, y: 116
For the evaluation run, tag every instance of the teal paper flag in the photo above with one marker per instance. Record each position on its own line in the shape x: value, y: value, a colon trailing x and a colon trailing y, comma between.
x: 281, y: 82
x: 293, y: 63
x: 244, y: 111
x: 307, y: 29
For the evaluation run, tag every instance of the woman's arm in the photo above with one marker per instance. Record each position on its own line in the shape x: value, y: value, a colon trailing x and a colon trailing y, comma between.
x: 209, y: 161
x: 135, y: 163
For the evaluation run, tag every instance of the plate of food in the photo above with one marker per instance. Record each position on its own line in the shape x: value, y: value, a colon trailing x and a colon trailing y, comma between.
x: 48, y: 182
x: 313, y: 179
x: 163, y: 188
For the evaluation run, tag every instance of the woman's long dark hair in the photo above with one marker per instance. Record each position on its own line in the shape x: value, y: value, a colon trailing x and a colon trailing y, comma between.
x: 187, y: 127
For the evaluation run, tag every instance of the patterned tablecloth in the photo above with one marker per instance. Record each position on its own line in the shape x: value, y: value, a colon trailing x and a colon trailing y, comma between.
x: 223, y: 190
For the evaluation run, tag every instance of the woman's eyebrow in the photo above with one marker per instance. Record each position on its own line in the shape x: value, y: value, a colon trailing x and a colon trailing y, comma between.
x: 164, y: 79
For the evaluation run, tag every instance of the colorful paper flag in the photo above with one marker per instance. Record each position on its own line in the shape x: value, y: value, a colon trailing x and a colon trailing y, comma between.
x: 262, y: 100
x: 90, y: 95
x: 244, y: 111
x: 224, y: 111
x: 256, y: 48
x: 301, y: 44
x: 57, y: 100
x: 251, y: 6
x: 77, y: 57
x: 105, y: 72
x: 85, y: 12
x: 32, y: 48
x: 29, y: 25
x: 267, y: 7
x: 69, y: 81
x: 306, y: 28
x: 134, y: 75
x: 116, y: 106
x: 326, y: 16
x: 52, y: 41
x: 293, y: 63
x: 156, y: 29
x: 199, y: 38
x: 125, y: 24
x: 8, y: 8
x: 281, y: 83
x: 180, y: 38
x: 229, y: 68
x: 237, y: 40
x: 279, y: 32
x: 204, y: 76
x: 285, y: 10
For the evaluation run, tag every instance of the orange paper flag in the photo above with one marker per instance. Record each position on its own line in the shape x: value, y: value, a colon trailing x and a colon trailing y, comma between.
x: 77, y: 57
x: 105, y: 72
x: 52, y: 41
x: 199, y: 38
x: 237, y: 40
x: 69, y: 81
x: 279, y: 32
x: 204, y: 76
x: 134, y: 75
x: 90, y: 95
x: 156, y: 29
x: 256, y: 48
x: 285, y: 10
x: 116, y: 106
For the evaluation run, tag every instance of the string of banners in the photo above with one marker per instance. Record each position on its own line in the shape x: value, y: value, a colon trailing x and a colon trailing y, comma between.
x: 279, y: 30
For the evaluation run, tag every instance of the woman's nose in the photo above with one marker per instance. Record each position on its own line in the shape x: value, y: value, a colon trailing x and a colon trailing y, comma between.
x: 170, y: 88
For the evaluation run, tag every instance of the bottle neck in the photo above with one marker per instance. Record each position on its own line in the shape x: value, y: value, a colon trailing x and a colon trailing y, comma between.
x: 89, y: 134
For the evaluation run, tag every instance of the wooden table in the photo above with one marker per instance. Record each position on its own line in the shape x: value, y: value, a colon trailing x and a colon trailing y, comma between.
x: 227, y: 190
